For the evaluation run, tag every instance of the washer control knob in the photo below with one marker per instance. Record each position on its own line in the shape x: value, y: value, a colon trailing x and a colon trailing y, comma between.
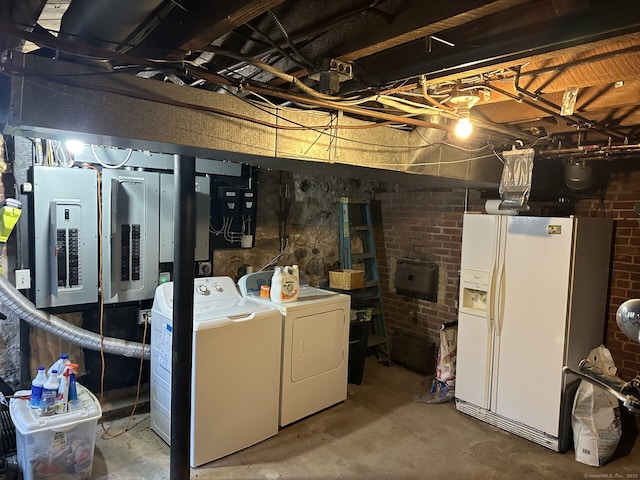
x: 202, y: 290
x: 218, y: 288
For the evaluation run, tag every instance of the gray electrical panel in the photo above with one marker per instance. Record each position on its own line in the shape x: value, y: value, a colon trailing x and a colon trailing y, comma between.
x: 167, y: 223
x: 130, y: 225
x: 65, y: 210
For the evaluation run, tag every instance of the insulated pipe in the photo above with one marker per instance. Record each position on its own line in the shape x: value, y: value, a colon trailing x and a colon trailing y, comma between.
x: 20, y: 306
x: 105, y: 23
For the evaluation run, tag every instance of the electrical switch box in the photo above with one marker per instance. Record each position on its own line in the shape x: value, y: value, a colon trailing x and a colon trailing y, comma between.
x: 65, y: 206
x: 228, y: 202
x: 248, y: 202
x: 234, y: 207
x: 130, y: 225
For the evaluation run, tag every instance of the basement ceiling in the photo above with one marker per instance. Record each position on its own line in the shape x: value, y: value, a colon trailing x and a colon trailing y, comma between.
x: 561, y: 76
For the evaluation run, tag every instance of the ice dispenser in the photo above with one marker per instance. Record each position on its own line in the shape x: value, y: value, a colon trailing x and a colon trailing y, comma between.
x: 474, y: 287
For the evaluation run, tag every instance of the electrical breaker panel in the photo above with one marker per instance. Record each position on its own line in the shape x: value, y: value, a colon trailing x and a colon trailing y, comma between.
x: 167, y: 218
x: 130, y: 226
x: 65, y: 212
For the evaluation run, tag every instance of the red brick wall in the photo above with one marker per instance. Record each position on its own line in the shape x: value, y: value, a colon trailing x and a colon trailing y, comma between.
x: 622, y: 194
x: 428, y: 226
x: 422, y: 226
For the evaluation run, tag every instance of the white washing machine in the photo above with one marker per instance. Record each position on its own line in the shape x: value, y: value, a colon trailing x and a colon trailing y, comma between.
x: 315, y: 347
x: 235, y: 373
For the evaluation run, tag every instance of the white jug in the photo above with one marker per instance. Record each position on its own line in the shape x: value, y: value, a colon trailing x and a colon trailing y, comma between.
x: 285, y: 284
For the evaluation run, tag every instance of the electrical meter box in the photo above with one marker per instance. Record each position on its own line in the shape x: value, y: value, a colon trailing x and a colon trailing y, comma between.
x: 167, y: 222
x: 65, y: 212
x: 130, y: 225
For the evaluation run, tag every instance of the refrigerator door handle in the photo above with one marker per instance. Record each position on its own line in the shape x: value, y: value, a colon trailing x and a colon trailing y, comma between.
x: 490, y: 299
x: 501, y: 298
x: 491, y: 294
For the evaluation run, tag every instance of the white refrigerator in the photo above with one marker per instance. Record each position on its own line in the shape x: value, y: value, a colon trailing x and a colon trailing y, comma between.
x: 533, y: 298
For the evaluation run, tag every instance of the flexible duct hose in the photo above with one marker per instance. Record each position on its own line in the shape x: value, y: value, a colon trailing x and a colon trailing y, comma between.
x: 20, y: 306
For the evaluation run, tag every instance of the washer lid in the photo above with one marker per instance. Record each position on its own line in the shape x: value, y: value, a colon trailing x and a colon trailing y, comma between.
x: 227, y: 308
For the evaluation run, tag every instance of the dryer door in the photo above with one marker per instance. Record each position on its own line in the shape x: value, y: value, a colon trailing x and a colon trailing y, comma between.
x: 318, y: 344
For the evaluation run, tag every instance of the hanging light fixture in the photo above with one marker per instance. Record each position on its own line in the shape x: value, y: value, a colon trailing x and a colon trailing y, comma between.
x: 463, y: 102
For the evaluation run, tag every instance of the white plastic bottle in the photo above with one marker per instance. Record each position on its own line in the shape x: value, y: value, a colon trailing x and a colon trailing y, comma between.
x: 285, y: 284
x: 59, y: 364
x: 49, y: 394
x: 36, y: 387
x: 276, y: 284
x: 63, y: 391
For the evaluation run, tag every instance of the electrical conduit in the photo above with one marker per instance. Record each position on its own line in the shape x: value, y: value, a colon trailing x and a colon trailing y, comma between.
x: 20, y: 306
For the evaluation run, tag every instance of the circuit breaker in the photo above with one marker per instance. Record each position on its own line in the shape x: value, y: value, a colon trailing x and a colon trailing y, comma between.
x: 130, y: 226
x: 167, y: 218
x: 65, y: 206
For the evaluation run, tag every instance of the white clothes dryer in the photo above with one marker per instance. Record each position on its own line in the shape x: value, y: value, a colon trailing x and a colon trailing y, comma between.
x: 235, y: 373
x: 315, y: 346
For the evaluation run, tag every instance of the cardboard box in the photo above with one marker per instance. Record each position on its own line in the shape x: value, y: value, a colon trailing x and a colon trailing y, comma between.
x: 59, y: 446
x: 346, y: 279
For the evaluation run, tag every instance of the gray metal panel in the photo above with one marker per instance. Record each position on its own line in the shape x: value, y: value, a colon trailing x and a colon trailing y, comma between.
x: 151, y: 160
x: 167, y: 219
x: 65, y: 199
x: 130, y: 201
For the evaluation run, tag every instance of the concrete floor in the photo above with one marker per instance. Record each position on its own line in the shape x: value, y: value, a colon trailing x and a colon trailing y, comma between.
x: 380, y: 431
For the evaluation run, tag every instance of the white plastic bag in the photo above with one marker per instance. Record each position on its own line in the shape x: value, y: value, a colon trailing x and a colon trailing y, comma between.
x: 596, y: 416
x: 443, y: 385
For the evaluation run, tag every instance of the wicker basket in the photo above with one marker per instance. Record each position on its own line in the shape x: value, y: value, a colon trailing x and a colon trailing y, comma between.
x: 346, y: 279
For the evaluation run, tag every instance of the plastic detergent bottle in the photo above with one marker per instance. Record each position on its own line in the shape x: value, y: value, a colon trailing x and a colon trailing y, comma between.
x: 49, y: 394
x: 36, y: 387
x: 285, y: 284
x: 59, y: 364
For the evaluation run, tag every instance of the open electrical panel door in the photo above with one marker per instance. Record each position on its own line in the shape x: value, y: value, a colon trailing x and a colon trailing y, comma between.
x: 628, y: 319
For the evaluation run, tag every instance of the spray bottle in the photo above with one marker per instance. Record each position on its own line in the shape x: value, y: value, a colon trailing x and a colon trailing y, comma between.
x: 73, y: 402
x: 63, y: 391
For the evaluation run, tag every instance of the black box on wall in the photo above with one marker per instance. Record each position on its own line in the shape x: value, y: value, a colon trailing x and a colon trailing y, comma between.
x: 417, y: 279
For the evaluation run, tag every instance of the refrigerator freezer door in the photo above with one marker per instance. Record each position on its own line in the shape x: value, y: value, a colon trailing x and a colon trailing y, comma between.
x: 479, y: 235
x: 473, y: 362
x: 475, y: 327
x: 531, y: 321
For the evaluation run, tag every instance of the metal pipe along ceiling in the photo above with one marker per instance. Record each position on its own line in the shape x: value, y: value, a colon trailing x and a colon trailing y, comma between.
x: 15, y: 302
x: 106, y: 23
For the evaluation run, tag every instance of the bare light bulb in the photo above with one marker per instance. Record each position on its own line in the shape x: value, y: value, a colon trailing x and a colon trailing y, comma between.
x: 74, y: 146
x: 463, y: 127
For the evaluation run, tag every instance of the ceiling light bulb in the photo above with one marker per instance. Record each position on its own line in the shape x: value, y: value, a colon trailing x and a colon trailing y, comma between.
x: 463, y: 127
x: 74, y: 146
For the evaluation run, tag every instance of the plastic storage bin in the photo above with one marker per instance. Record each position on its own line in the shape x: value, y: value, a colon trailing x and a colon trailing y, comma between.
x: 59, y: 446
